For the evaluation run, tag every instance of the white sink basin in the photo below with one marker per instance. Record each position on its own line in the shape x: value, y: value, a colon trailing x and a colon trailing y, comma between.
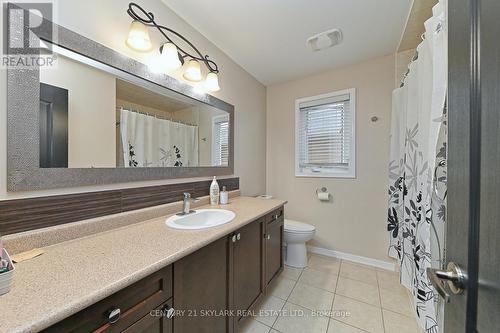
x: 201, y: 219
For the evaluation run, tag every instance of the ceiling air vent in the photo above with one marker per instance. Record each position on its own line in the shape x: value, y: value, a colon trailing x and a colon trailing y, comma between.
x: 325, y: 39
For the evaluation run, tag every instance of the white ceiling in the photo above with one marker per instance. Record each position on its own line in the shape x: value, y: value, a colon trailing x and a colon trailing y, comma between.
x: 268, y: 37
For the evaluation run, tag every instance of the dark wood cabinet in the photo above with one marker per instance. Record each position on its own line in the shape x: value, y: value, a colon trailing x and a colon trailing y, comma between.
x: 224, y: 275
x: 122, y: 309
x: 201, y: 285
x: 274, y: 260
x: 209, y: 289
x: 157, y: 321
x: 248, y: 267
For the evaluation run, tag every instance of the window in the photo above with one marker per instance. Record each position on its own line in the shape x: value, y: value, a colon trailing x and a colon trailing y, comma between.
x: 325, y: 135
x: 220, y: 141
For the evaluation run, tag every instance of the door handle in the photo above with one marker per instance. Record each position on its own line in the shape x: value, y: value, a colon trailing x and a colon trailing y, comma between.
x: 455, y: 276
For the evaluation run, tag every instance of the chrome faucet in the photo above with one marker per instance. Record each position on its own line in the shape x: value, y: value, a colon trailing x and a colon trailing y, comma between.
x: 186, y: 206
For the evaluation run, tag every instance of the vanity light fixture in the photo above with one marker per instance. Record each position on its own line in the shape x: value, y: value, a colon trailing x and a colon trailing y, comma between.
x: 138, y: 37
x: 171, y: 54
x: 212, y: 82
x: 193, y: 71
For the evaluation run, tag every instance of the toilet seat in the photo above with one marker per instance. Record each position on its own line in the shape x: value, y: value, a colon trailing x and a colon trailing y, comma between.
x: 298, y: 227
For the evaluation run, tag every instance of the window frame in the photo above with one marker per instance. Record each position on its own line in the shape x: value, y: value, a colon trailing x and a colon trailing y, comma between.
x: 333, y: 172
x: 215, y: 121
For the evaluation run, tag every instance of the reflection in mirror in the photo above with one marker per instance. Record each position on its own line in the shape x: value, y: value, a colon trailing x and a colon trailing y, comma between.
x: 92, y: 118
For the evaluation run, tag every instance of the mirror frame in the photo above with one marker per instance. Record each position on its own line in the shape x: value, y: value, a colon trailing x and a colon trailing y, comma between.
x: 23, y: 95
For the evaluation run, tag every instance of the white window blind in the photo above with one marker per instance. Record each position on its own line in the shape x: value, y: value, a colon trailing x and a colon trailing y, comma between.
x: 325, y: 135
x: 221, y: 142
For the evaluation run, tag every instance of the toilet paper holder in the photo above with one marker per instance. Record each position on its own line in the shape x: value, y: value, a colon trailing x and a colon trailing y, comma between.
x: 322, y: 194
x: 322, y: 189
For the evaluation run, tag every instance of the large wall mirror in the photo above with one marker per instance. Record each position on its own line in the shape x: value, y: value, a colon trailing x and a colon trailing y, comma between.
x: 93, y: 118
x: 98, y: 117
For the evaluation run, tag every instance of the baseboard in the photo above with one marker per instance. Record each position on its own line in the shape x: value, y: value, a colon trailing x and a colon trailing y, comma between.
x: 354, y: 258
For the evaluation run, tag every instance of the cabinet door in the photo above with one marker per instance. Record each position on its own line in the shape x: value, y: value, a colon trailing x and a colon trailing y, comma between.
x: 200, y: 285
x: 274, y: 248
x: 157, y: 321
x: 247, y: 266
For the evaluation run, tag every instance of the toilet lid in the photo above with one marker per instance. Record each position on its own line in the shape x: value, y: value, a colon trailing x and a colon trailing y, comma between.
x: 297, y: 226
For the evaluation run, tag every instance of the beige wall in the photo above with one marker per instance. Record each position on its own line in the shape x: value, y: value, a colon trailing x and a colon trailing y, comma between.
x: 354, y: 221
x: 91, y: 112
x: 109, y: 26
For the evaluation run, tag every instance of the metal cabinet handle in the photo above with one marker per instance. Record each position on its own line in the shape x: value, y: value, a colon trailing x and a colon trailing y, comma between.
x: 268, y: 237
x: 233, y: 239
x: 238, y: 236
x: 455, y: 276
x: 169, y: 312
x: 114, y: 315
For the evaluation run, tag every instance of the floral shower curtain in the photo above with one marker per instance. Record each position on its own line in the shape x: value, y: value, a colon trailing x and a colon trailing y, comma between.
x: 151, y: 142
x: 417, y: 172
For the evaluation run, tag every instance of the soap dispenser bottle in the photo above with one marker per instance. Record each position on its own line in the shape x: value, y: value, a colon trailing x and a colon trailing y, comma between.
x: 214, y: 192
x: 224, y: 196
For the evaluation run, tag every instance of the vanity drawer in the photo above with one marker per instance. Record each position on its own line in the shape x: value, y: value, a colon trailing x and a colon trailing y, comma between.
x: 132, y: 303
x: 157, y: 321
x: 277, y: 214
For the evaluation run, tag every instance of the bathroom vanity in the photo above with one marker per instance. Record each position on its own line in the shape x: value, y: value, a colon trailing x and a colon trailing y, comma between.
x: 195, y: 293
x: 172, y: 281
x: 110, y: 262
x: 232, y: 273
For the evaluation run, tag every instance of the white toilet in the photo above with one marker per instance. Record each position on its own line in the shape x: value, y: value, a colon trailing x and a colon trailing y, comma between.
x: 296, y: 236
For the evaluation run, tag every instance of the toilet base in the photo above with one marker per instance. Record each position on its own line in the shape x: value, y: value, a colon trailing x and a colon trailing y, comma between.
x: 296, y: 255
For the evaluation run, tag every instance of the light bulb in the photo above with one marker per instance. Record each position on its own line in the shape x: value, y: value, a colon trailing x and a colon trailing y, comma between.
x: 212, y: 82
x: 138, y: 37
x: 192, y: 71
x: 170, y: 56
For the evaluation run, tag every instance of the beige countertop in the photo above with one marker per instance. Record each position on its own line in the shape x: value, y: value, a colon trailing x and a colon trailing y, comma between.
x: 77, y: 273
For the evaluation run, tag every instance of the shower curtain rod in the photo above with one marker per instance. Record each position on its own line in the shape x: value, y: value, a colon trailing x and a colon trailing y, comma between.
x: 154, y: 115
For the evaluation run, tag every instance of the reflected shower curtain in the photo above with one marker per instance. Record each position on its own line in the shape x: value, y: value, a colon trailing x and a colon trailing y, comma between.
x: 416, y: 169
x: 151, y: 142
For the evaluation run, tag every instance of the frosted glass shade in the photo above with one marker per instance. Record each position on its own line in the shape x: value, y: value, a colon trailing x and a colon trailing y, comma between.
x: 138, y: 37
x: 193, y: 71
x: 212, y: 82
x: 170, y: 56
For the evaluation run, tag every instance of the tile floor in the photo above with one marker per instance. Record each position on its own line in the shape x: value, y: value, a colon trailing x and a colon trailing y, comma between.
x: 334, y: 296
